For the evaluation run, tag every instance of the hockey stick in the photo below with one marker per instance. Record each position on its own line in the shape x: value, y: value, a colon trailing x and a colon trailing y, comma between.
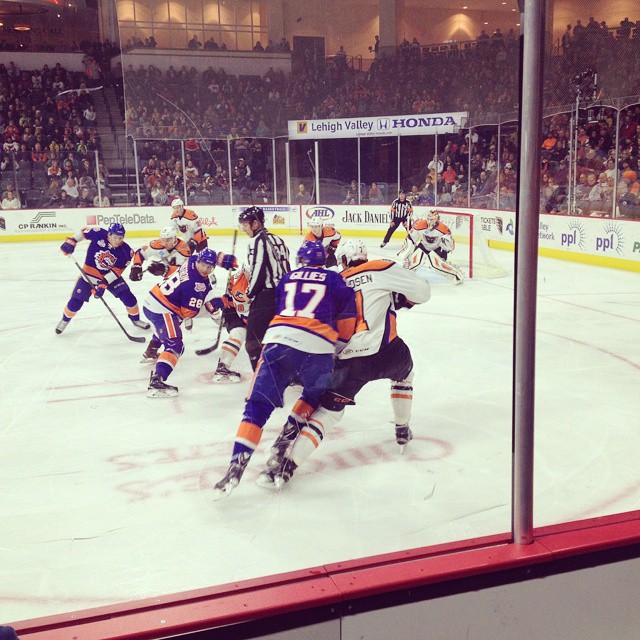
x: 82, y: 273
x: 214, y: 346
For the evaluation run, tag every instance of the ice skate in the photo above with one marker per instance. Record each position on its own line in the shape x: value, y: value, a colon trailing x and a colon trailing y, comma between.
x: 275, y: 479
x: 150, y: 354
x: 279, y: 448
x: 188, y: 324
x: 61, y: 326
x: 232, y: 479
x: 225, y: 375
x: 383, y: 245
x: 141, y: 324
x: 158, y: 388
x: 403, y: 436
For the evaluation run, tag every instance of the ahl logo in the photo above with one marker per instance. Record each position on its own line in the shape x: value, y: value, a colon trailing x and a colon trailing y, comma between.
x: 303, y: 127
x: 613, y: 239
x: 199, y: 286
x: 42, y: 215
x: 326, y: 213
x: 576, y: 236
x: 105, y: 260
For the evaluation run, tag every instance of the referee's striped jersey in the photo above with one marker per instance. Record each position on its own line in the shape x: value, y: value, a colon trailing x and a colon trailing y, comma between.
x: 400, y: 209
x: 268, y: 261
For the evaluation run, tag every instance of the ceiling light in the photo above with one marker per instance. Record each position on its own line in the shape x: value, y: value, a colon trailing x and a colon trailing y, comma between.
x: 517, y: 24
x: 512, y: 9
x: 465, y: 7
x: 486, y: 23
x: 22, y: 27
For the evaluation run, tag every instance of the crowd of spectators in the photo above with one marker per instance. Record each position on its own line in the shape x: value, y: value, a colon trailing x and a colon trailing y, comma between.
x: 49, y: 137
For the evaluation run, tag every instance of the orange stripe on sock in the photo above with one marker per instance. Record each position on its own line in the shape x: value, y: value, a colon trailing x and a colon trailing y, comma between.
x: 133, y: 311
x: 311, y: 437
x: 302, y: 409
x: 229, y: 350
x: 68, y: 313
x: 170, y: 358
x: 401, y: 395
x: 249, y: 431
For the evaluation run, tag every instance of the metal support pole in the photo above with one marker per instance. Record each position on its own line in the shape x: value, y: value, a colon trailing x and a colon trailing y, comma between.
x: 287, y: 153
x: 570, y: 179
x: 435, y: 186
x: 275, y: 175
x: 98, y: 179
x: 135, y: 160
x: 526, y: 274
x: 184, y: 175
x: 229, y: 171
x: 359, y: 180
x: 399, y: 181
x: 499, y: 168
x: 317, y: 170
x: 469, y: 170
x: 614, y: 213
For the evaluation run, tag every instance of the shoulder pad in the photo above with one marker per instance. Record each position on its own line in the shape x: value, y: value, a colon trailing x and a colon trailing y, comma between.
x: 156, y: 244
x: 189, y: 214
x: 442, y: 228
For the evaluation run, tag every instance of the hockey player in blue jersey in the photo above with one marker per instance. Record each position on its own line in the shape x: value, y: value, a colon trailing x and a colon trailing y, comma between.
x: 314, y: 310
x: 172, y: 301
x: 107, y: 257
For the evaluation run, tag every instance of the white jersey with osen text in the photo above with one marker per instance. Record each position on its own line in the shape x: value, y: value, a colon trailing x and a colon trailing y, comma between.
x: 374, y: 283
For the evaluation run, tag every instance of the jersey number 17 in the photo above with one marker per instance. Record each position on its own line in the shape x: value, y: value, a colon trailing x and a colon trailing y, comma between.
x: 291, y: 290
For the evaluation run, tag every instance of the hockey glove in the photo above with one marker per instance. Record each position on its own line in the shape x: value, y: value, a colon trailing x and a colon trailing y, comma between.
x: 98, y: 292
x: 157, y: 268
x: 218, y: 304
x: 400, y: 301
x: 136, y: 273
x: 193, y: 245
x: 227, y: 260
x: 68, y: 246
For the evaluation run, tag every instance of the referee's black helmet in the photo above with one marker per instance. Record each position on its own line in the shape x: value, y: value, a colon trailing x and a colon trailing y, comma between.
x: 252, y: 213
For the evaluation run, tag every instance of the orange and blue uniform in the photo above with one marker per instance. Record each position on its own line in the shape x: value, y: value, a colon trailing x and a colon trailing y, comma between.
x: 315, y: 309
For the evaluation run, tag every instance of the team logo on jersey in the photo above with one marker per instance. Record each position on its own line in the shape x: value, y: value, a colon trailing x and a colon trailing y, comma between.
x: 303, y: 127
x: 105, y: 260
x: 199, y: 287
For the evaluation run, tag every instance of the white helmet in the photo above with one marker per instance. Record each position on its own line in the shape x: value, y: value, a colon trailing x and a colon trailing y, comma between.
x: 351, y: 250
x: 177, y: 202
x: 168, y: 232
x: 316, y: 221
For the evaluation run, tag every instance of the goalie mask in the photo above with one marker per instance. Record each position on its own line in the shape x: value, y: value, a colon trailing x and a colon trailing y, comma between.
x: 432, y: 219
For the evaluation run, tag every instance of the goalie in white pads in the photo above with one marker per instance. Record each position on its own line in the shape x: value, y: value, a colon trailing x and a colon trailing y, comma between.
x: 429, y: 243
x: 374, y: 352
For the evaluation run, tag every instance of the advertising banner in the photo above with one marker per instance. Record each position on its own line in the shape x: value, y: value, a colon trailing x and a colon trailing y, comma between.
x: 407, y: 125
x: 49, y: 224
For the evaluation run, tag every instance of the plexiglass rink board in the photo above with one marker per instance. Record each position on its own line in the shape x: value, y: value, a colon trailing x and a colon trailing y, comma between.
x: 107, y: 494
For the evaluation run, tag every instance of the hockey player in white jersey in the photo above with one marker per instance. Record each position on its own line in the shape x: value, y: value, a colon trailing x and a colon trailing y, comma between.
x: 429, y: 243
x: 189, y: 225
x: 165, y: 255
x: 374, y: 352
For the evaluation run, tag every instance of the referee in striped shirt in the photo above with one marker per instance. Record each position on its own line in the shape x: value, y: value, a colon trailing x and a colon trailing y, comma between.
x: 401, y: 209
x: 268, y: 261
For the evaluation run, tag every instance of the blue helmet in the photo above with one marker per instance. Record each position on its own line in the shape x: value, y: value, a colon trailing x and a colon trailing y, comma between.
x: 312, y: 254
x: 116, y: 229
x: 208, y: 256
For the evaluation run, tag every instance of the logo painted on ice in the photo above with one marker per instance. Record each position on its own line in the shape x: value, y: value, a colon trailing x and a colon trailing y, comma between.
x: 576, y: 236
x: 326, y: 213
x: 105, y: 260
x: 613, y: 239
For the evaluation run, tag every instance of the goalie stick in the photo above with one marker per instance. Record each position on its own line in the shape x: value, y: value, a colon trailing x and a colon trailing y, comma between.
x: 132, y: 338
x: 214, y: 346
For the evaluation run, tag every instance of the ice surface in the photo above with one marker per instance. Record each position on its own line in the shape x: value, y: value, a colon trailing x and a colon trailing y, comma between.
x: 105, y: 495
